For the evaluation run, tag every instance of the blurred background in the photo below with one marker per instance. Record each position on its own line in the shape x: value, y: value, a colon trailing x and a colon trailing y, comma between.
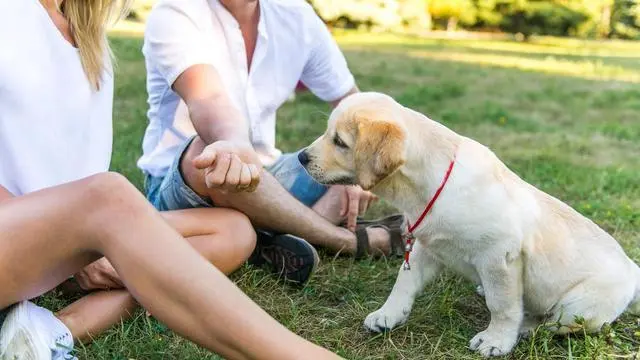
x: 592, y: 19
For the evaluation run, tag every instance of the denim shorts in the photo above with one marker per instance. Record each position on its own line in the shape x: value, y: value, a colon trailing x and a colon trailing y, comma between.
x: 172, y: 193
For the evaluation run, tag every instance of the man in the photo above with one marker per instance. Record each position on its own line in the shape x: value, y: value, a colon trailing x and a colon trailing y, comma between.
x: 218, y: 70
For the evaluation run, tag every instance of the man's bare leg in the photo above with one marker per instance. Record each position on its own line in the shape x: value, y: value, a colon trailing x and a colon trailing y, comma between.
x: 224, y: 237
x: 272, y: 207
x: 49, y: 235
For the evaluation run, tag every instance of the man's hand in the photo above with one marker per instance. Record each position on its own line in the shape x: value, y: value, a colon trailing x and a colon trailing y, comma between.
x: 355, y: 201
x: 229, y: 166
x: 100, y: 274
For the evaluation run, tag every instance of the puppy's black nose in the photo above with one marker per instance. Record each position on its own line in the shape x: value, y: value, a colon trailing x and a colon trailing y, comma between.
x: 303, y: 157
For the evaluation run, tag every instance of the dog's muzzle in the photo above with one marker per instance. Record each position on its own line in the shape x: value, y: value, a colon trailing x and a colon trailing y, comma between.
x: 303, y: 157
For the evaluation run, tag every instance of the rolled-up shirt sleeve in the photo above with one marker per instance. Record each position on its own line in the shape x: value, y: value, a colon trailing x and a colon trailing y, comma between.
x: 326, y: 72
x: 173, y: 42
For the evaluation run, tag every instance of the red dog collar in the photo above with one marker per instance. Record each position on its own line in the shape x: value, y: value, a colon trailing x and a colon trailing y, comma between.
x: 408, y: 237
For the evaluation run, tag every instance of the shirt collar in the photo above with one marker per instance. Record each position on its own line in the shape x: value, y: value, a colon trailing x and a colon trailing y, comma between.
x: 262, y: 24
x: 228, y: 19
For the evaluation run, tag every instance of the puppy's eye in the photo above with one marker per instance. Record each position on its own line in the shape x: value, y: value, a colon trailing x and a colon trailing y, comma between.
x: 339, y: 143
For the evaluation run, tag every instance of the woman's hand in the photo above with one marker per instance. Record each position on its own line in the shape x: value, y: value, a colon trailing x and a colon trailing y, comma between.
x: 99, y: 275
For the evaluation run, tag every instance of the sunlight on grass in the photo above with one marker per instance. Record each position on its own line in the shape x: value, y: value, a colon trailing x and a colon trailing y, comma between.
x: 596, y: 70
x: 537, y: 45
x: 597, y: 60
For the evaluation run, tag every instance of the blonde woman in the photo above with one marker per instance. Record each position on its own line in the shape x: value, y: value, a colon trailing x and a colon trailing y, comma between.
x: 60, y: 212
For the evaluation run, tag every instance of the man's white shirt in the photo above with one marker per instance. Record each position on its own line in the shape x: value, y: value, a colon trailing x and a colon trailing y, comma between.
x: 293, y: 44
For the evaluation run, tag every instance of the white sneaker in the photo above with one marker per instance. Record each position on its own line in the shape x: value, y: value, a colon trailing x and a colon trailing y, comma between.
x: 34, y: 333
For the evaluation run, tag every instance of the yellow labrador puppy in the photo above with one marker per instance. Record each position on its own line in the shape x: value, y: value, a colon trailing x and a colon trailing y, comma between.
x: 531, y: 253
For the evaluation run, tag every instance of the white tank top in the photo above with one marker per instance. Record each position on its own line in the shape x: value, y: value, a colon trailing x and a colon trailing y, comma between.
x: 53, y: 127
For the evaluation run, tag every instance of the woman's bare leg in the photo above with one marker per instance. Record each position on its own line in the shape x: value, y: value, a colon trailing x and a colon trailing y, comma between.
x: 97, y: 312
x: 223, y: 236
x: 49, y: 235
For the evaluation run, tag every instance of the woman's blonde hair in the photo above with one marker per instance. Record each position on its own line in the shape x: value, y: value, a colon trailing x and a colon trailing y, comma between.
x: 88, y: 20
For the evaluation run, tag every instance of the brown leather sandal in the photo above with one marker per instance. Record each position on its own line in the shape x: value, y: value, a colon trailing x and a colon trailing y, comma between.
x: 392, y: 224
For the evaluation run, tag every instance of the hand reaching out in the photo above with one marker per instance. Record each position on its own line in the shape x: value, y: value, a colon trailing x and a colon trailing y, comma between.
x: 230, y: 166
x: 355, y: 202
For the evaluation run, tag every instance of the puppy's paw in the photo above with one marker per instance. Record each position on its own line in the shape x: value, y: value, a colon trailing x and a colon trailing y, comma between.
x: 480, y: 290
x: 385, y: 319
x: 495, y: 343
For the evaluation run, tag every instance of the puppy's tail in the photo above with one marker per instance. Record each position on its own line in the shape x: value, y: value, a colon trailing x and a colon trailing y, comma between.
x: 634, y: 307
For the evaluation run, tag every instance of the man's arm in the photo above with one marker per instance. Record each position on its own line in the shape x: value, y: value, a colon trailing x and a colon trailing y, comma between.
x: 178, y: 49
x: 229, y: 154
x: 213, y: 115
x: 353, y: 90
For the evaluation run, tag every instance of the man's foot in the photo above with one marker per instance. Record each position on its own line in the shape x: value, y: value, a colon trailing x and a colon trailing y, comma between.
x: 382, y: 237
x: 379, y: 241
x: 33, y: 333
x: 288, y: 256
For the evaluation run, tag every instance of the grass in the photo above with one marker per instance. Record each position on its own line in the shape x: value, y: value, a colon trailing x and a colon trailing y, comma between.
x: 562, y: 113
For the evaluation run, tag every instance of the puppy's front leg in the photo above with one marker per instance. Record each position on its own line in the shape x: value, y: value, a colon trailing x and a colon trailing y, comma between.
x: 502, y: 282
x: 408, y: 285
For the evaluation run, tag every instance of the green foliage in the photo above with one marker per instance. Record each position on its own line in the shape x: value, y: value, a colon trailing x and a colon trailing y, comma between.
x: 355, y: 13
x: 140, y: 9
x: 540, y: 17
x: 626, y: 19
x: 414, y: 13
x: 453, y: 12
x: 486, y: 14
x: 581, y: 18
x: 369, y: 13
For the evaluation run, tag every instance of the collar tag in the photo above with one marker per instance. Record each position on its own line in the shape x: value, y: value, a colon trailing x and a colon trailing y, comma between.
x: 409, y: 240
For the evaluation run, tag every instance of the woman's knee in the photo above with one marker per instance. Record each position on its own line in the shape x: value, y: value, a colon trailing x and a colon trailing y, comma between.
x: 219, y: 234
x: 235, y: 234
x: 238, y: 232
x: 242, y: 232
x: 112, y: 193
x: 110, y: 203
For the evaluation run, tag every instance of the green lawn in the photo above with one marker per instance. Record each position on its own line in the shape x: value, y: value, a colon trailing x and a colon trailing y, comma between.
x: 564, y: 114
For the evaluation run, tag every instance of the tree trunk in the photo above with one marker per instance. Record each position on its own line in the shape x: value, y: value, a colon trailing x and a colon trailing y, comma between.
x: 425, y: 16
x: 605, y: 21
x: 452, y: 24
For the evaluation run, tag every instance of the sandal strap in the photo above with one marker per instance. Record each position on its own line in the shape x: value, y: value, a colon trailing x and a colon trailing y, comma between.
x: 395, y: 240
x: 393, y: 225
x: 362, y: 245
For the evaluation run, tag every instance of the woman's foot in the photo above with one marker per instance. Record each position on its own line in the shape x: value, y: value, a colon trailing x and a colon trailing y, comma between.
x: 30, y: 332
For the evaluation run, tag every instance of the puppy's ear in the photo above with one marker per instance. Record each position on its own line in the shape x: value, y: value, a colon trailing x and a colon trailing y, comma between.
x: 379, y: 150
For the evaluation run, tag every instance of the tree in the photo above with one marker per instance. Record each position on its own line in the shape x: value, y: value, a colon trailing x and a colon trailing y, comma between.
x: 452, y: 12
x: 560, y: 17
x: 625, y: 19
x: 486, y: 14
x: 415, y: 13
